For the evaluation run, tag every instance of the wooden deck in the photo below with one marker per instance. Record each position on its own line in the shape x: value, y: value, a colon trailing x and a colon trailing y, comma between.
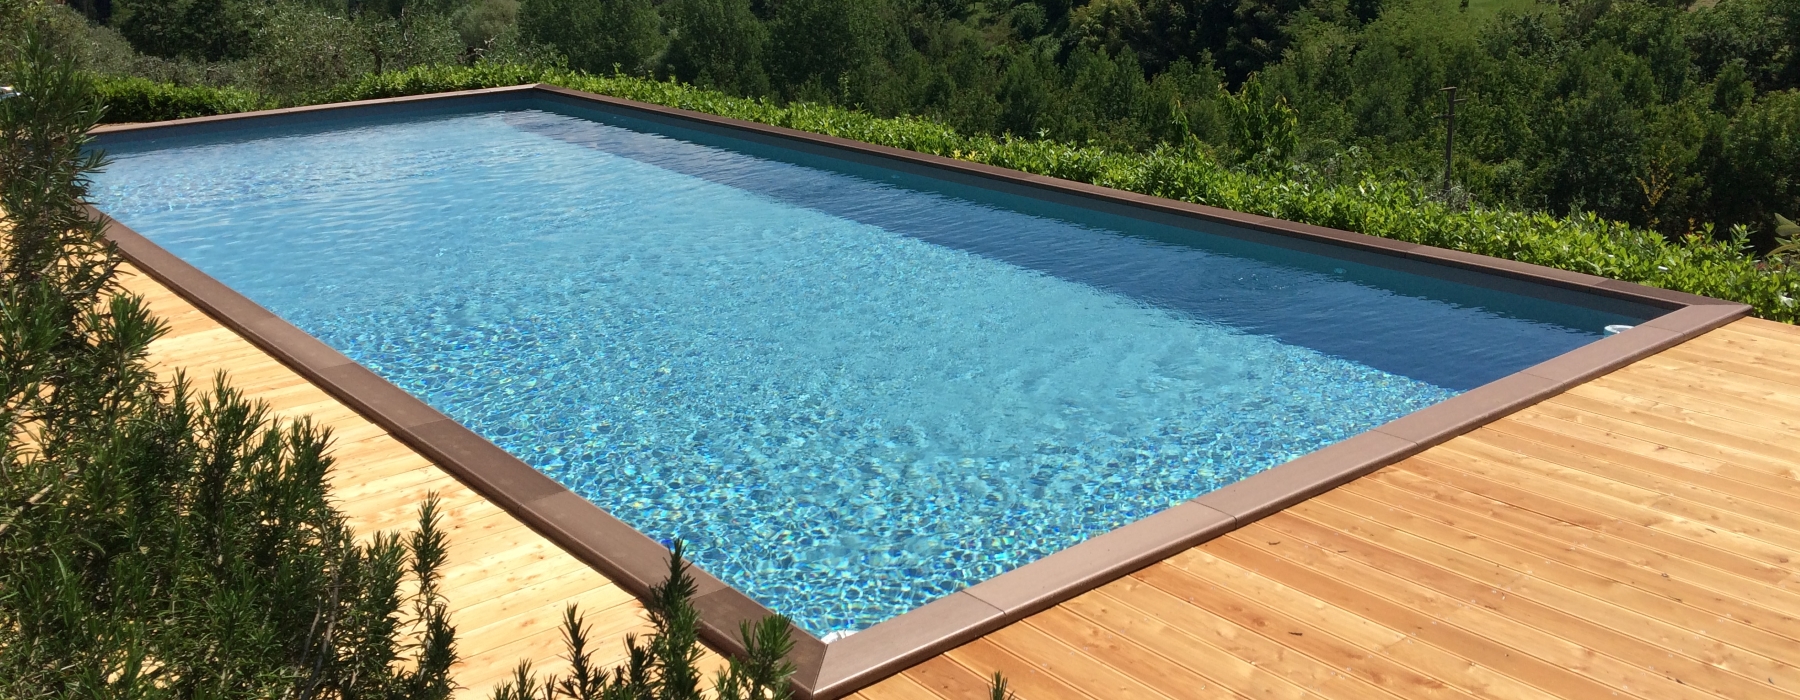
x: 1638, y: 536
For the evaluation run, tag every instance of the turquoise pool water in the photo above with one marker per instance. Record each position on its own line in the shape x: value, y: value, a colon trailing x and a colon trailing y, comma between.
x: 851, y: 390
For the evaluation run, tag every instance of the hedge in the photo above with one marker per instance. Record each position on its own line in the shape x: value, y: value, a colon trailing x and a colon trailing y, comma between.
x: 1725, y: 269
x: 140, y: 100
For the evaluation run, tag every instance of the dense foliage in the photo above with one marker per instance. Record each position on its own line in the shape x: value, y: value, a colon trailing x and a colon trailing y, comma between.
x: 1679, y: 122
x: 1674, y: 118
x: 129, y: 99
x: 153, y: 542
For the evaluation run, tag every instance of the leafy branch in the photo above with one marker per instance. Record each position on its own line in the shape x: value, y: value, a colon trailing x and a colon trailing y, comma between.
x: 664, y: 665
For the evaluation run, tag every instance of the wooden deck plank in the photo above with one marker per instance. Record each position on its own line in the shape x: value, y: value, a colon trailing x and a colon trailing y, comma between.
x: 1455, y: 518
x: 1698, y: 494
x: 1030, y: 678
x: 1152, y: 671
x: 1211, y: 648
x: 1768, y: 368
x: 1189, y: 576
x: 493, y: 651
x: 1714, y: 382
x: 1771, y: 328
x: 1720, y: 405
x: 947, y: 679
x: 1736, y: 345
x: 900, y: 687
x: 1738, y: 337
x: 1403, y: 616
x: 1678, y: 423
x: 1066, y: 659
x: 1476, y: 610
x: 1639, y: 546
x: 1268, y: 642
x: 1585, y: 617
x: 1625, y: 511
x: 1775, y: 474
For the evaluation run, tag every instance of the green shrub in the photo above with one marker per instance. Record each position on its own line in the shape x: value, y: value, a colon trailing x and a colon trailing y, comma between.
x: 665, y: 664
x: 155, y: 543
x: 140, y: 100
x: 1699, y: 264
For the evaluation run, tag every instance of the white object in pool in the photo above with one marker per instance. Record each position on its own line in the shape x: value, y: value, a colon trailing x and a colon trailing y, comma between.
x: 836, y: 635
x: 1617, y: 328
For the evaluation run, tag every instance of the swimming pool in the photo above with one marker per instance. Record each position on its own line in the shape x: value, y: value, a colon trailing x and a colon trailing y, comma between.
x: 852, y: 389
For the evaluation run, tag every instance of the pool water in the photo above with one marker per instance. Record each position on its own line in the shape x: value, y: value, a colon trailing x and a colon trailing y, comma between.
x: 851, y: 391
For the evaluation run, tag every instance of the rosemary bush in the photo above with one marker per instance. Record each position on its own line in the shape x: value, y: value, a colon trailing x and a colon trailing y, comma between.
x: 155, y: 542
x: 664, y: 665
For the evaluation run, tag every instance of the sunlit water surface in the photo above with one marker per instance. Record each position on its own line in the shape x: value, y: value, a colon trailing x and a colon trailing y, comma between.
x: 850, y: 393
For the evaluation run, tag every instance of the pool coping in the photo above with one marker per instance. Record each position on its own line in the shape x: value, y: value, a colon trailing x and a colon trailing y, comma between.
x: 830, y: 670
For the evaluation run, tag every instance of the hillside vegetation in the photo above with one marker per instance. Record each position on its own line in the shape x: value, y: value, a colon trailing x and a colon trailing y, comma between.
x: 1643, y: 141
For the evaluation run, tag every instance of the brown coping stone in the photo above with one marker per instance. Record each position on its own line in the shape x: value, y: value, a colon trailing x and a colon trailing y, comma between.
x: 1102, y: 558
x: 1309, y: 475
x: 1701, y: 317
x: 1672, y: 297
x: 303, y: 349
x: 371, y: 394
x: 860, y: 659
x: 727, y: 611
x: 628, y: 557
x: 1602, y: 356
x: 1470, y: 409
x: 477, y: 461
x: 636, y: 562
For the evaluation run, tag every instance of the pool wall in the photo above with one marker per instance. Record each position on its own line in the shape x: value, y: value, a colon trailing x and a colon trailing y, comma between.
x: 636, y: 562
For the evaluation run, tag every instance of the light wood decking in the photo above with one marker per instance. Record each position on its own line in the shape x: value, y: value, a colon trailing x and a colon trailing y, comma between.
x: 1638, y: 536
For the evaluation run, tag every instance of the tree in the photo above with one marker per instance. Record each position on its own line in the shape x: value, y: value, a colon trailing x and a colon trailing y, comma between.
x: 201, y: 30
x: 823, y: 49
x: 155, y: 543
x: 1757, y: 173
x: 717, y: 44
x: 1263, y: 126
x: 1028, y: 87
x: 486, y: 25
x: 598, y: 36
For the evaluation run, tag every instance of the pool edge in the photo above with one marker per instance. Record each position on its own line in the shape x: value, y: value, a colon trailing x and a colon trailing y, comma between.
x: 636, y: 562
